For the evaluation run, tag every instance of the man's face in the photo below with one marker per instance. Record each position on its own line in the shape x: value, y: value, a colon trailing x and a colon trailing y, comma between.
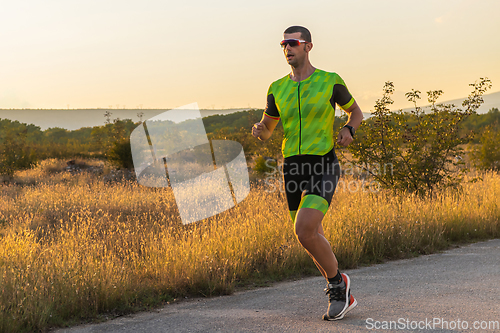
x: 294, y: 55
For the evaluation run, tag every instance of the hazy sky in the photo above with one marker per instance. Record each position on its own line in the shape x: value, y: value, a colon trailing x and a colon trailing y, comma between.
x: 223, y: 54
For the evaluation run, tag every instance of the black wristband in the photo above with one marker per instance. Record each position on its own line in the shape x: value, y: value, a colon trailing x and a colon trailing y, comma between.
x: 351, y: 129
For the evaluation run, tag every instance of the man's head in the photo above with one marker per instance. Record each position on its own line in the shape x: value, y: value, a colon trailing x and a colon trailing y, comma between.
x: 297, y: 49
x: 305, y: 34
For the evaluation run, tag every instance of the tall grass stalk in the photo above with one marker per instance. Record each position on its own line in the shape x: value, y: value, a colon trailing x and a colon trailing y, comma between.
x: 75, y: 248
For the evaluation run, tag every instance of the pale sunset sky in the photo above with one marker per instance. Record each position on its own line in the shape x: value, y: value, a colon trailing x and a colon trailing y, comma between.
x: 224, y: 54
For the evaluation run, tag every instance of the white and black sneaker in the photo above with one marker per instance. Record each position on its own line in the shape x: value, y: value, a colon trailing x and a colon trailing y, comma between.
x: 340, y: 299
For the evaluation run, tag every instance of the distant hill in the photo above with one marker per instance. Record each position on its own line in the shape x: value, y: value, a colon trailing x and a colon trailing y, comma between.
x: 78, y: 118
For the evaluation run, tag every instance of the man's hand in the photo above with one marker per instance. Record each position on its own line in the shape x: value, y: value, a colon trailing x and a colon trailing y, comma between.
x: 344, y: 138
x: 257, y: 129
x: 354, y: 120
x: 264, y: 129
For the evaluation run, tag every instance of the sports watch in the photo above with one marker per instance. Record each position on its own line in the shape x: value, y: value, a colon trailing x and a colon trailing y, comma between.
x: 351, y: 129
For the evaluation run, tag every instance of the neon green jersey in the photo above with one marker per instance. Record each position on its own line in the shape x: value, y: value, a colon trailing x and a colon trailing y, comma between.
x: 307, y: 111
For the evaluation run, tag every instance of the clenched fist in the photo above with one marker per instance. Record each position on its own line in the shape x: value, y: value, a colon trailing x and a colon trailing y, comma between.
x: 257, y: 129
x: 344, y: 138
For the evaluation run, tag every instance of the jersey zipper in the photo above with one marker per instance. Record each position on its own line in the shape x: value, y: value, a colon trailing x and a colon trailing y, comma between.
x: 300, y: 119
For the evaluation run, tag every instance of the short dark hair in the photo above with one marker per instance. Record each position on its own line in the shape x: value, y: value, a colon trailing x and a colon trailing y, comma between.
x: 304, y: 33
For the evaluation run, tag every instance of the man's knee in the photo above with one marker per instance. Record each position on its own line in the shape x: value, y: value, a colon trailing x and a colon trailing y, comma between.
x: 307, y: 224
x: 305, y: 237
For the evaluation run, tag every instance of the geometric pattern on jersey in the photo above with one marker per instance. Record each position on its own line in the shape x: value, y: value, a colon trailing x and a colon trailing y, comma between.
x: 307, y: 111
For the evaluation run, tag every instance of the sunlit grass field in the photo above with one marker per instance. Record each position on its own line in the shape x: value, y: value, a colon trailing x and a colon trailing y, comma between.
x: 74, y: 248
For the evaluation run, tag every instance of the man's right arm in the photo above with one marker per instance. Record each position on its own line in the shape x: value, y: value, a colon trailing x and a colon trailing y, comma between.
x: 270, y: 119
x: 265, y: 128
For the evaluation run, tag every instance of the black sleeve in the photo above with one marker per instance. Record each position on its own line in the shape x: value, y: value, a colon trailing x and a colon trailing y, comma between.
x: 271, y: 108
x: 341, y: 96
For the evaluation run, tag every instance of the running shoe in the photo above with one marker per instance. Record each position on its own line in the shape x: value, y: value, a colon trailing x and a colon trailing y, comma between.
x: 340, y: 299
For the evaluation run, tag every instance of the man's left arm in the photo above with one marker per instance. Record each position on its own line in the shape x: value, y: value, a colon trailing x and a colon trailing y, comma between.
x: 355, y: 117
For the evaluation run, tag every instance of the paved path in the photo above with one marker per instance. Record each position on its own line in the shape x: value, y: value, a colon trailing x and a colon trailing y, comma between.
x: 453, y: 290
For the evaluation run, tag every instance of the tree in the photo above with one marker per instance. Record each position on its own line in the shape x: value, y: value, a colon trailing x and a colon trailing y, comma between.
x: 117, y: 138
x: 120, y: 154
x: 486, y: 156
x: 415, y: 152
x: 15, y: 153
x: 56, y: 135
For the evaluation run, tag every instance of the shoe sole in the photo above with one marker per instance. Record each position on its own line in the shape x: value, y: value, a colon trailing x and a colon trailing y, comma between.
x: 352, y: 304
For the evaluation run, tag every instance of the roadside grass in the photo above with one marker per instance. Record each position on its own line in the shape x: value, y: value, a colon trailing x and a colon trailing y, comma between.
x: 74, y: 249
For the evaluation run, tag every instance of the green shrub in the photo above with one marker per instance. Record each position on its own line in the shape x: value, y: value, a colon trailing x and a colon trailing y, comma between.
x: 15, y: 154
x: 415, y: 152
x: 120, y: 154
x: 486, y: 156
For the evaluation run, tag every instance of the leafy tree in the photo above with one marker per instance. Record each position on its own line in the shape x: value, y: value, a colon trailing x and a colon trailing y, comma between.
x: 120, y: 154
x: 15, y: 153
x: 117, y: 142
x: 56, y: 135
x: 486, y: 156
x: 479, y: 121
x: 415, y: 152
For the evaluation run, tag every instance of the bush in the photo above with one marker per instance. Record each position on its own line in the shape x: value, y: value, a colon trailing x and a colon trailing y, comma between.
x: 415, y: 152
x: 486, y: 156
x: 15, y: 154
x: 120, y: 154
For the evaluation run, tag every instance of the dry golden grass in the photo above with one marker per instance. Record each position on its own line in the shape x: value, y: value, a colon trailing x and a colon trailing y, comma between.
x: 73, y: 247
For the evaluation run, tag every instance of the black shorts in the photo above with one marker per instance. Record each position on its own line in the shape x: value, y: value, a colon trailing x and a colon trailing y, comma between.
x: 310, y: 181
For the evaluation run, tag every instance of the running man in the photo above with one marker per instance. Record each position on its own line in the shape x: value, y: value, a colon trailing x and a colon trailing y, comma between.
x: 305, y: 101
